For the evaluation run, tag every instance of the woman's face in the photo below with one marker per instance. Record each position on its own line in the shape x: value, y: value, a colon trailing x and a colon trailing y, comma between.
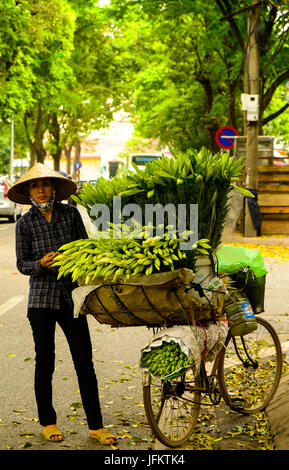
x: 41, y: 190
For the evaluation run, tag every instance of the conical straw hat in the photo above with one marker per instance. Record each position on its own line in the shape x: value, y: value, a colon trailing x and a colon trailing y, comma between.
x: 63, y: 186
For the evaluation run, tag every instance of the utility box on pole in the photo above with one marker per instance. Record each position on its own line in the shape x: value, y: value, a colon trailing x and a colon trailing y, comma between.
x: 250, y: 104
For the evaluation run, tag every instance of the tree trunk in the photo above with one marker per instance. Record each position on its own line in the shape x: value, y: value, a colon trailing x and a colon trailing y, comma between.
x: 233, y: 90
x: 32, y: 156
x: 67, y: 150
x: 54, y: 130
x: 77, y: 147
x: 211, y: 125
x: 56, y: 158
x: 212, y: 129
x: 37, y: 150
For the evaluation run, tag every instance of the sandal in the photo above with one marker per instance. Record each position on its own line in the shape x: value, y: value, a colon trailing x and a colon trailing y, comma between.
x: 52, y: 430
x: 101, y: 435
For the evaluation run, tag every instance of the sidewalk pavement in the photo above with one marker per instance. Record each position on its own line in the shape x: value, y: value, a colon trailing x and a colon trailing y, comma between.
x: 277, y: 312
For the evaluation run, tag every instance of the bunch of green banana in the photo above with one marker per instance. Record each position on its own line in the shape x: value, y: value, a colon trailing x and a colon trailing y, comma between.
x: 113, y: 258
x: 165, y: 359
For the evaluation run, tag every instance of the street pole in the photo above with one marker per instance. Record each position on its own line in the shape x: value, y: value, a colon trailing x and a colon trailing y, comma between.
x: 252, y: 127
x: 11, y: 172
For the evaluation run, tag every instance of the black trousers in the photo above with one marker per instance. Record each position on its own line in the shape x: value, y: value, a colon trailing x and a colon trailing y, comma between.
x: 43, y: 323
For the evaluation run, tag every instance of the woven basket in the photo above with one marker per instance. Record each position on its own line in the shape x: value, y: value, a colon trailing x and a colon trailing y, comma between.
x: 160, y: 299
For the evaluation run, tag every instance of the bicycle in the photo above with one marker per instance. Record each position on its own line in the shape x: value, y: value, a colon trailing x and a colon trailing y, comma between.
x: 245, y: 373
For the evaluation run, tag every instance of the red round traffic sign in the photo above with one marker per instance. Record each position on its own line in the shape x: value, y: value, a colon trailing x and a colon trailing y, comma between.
x: 225, y: 137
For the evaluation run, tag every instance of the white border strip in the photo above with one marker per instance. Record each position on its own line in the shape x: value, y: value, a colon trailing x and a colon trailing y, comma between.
x: 11, y: 303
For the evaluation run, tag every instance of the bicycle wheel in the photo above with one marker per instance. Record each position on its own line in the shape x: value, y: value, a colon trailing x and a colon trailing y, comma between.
x: 250, y: 368
x: 172, y: 407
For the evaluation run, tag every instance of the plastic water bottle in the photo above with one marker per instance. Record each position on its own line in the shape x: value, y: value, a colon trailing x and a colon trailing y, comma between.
x: 239, y: 313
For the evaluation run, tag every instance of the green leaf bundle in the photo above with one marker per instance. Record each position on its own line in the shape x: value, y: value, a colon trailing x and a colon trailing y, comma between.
x: 189, y: 178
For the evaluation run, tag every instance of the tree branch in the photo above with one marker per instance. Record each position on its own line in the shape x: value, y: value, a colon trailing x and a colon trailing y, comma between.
x: 275, y: 115
x: 226, y: 10
x: 249, y: 7
x: 282, y: 42
x: 263, y: 37
x: 26, y: 129
x: 267, y: 97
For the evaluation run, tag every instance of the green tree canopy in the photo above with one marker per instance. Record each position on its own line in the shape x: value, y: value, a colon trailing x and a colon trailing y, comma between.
x: 177, y: 66
x: 195, y: 68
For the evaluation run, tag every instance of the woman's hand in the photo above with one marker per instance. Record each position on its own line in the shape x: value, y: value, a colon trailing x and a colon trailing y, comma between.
x: 47, y: 260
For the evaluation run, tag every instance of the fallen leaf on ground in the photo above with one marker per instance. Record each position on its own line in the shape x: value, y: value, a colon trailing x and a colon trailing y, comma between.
x: 267, y: 251
x: 76, y: 405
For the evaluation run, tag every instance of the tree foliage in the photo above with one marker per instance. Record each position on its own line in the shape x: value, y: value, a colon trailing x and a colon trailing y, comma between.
x: 192, y: 87
x: 16, y: 57
x: 177, y: 66
x: 279, y: 126
x: 70, y: 72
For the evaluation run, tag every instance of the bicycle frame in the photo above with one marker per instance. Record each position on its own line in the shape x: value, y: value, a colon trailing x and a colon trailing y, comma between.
x: 178, y: 400
x: 208, y: 383
x: 205, y: 378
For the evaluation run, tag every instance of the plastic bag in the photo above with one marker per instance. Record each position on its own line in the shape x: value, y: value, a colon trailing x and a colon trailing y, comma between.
x: 236, y: 203
x: 211, y: 339
x: 233, y: 258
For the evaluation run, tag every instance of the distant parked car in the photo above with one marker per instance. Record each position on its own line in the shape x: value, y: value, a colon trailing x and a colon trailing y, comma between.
x: 141, y: 160
x: 8, y: 208
x: 92, y: 182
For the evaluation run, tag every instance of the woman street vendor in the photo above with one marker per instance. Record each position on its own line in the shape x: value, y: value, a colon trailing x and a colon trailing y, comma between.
x: 40, y: 232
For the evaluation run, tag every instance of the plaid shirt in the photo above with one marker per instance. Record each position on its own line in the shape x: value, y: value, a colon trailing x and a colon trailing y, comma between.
x: 35, y: 237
